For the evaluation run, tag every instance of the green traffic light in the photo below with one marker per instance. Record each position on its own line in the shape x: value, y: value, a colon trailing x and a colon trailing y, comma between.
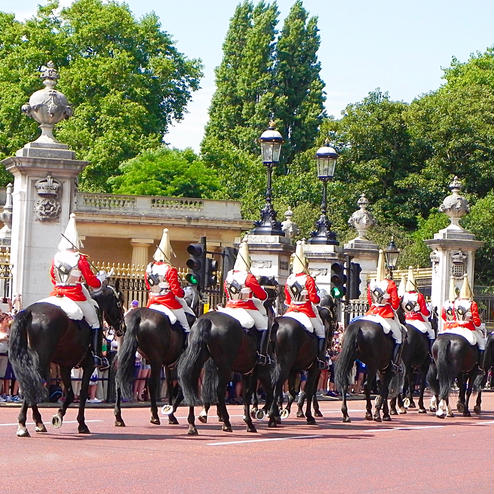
x: 192, y: 279
x: 337, y: 292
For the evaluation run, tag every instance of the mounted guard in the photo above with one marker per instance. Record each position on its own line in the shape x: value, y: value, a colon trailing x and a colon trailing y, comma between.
x: 448, y: 311
x: 165, y: 292
x: 301, y: 297
x: 416, y: 312
x: 69, y: 269
x: 244, y: 300
x: 383, y: 299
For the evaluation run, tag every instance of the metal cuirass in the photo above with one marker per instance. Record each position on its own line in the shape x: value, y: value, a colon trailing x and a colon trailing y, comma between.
x: 156, y: 274
x: 66, y: 270
x: 463, y: 310
x: 449, y: 309
x: 410, y: 302
x: 379, y: 292
x: 297, y: 290
x: 235, y: 286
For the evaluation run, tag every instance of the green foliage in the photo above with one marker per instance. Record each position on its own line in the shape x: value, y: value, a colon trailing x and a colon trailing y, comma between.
x: 125, y: 79
x: 166, y: 172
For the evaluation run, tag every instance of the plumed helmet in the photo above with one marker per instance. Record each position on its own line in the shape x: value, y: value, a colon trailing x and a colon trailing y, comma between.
x: 452, y: 289
x: 164, y: 252
x: 466, y: 291
x: 411, y: 284
x: 299, y: 263
x: 381, y: 267
x: 402, y: 285
x: 70, y: 238
x: 243, y: 262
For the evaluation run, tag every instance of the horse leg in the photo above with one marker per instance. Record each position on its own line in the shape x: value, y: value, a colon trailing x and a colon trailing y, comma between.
x: 274, y: 413
x: 153, y: 383
x: 192, y: 431
x: 385, y: 391
x: 392, y: 406
x: 311, y: 385
x: 57, y: 419
x: 292, y: 394
x: 117, y: 411
x: 421, y: 395
x: 248, y: 387
x: 221, y: 391
x: 176, y: 402
x: 411, y: 387
x: 462, y: 387
x: 371, y: 374
x: 300, y: 403
x: 477, y: 407
x: 315, y: 405
x: 21, y: 421
x: 379, y: 400
x: 86, y: 375
x: 203, y: 415
x: 39, y: 426
x: 469, y: 381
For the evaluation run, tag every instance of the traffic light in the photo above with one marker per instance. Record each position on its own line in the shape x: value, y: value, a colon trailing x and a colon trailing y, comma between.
x: 229, y: 258
x: 196, y: 264
x: 211, y: 272
x: 354, y: 283
x: 338, y: 280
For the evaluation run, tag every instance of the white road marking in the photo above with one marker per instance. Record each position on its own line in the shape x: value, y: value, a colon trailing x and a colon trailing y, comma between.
x: 65, y: 422
x: 249, y: 441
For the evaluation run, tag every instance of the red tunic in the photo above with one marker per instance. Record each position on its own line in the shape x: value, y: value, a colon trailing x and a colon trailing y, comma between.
x: 474, y: 321
x: 421, y: 315
x: 312, y: 298
x: 385, y: 310
x: 448, y: 323
x: 256, y: 290
x: 75, y: 292
x: 168, y: 299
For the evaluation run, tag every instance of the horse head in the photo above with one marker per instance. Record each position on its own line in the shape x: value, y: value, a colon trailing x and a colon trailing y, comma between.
x: 192, y: 298
x: 328, y: 312
x: 110, y: 301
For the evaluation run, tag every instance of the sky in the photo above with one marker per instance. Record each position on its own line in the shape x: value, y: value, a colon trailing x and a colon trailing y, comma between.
x: 397, y: 46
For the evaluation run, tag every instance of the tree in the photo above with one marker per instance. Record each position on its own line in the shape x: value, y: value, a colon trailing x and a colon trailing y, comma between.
x: 167, y: 172
x: 125, y: 79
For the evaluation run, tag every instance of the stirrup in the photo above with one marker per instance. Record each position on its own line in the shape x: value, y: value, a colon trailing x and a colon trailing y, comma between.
x: 395, y: 368
x: 263, y: 359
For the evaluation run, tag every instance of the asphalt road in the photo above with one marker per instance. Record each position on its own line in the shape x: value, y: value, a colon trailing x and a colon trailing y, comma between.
x: 412, y: 454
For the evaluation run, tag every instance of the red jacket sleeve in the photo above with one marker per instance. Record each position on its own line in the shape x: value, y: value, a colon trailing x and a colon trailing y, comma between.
x: 443, y: 314
x: 52, y: 274
x: 257, y: 289
x: 423, y: 308
x: 148, y: 286
x: 369, y: 297
x: 393, y: 292
x: 475, y: 314
x: 172, y: 278
x: 288, y: 297
x: 89, y: 276
x: 310, y: 284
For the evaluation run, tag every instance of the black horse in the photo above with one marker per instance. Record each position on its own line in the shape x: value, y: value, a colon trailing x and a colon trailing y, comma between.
x: 416, y: 358
x: 42, y: 333
x: 454, y: 358
x: 366, y: 341
x: 161, y: 344
x: 296, y: 350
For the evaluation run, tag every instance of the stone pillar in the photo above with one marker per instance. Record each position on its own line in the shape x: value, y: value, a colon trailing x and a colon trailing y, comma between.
x: 140, y: 250
x: 453, y: 248
x: 45, y: 173
x: 364, y: 251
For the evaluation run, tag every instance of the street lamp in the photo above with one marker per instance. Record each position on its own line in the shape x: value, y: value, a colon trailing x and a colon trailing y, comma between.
x: 326, y: 158
x: 391, y: 253
x: 270, y: 141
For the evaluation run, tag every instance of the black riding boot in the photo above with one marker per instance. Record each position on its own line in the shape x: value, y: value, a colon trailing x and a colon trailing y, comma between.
x: 321, y: 353
x: 262, y: 344
x: 96, y: 335
x: 395, y: 362
x: 481, y: 361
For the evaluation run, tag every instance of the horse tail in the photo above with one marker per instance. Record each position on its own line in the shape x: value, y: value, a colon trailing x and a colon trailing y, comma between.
x: 210, y: 382
x: 346, y: 358
x: 25, y: 361
x: 126, y: 356
x: 191, y: 362
x: 446, y: 372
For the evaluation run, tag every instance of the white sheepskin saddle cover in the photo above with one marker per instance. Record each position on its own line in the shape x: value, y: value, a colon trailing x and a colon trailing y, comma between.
x: 241, y: 315
x: 387, y: 323
x: 72, y: 310
x: 422, y: 326
x: 302, y: 318
x: 165, y: 310
x: 470, y: 336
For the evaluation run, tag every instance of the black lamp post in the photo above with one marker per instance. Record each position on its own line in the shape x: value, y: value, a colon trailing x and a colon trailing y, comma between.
x: 271, y: 141
x: 391, y: 253
x: 326, y: 158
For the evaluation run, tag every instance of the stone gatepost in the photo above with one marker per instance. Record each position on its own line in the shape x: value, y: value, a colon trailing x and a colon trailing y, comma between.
x: 320, y: 257
x: 364, y: 251
x: 453, y: 248
x: 45, y: 173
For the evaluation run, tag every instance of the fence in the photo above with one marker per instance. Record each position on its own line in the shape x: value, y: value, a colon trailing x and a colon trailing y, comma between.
x: 5, y: 272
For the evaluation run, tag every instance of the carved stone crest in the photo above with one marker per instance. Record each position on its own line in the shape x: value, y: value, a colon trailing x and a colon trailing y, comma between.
x: 48, y: 207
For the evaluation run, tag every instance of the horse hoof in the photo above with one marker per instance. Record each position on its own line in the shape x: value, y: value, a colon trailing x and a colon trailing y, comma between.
x: 311, y: 421
x: 386, y: 418
x: 155, y: 421
x: 377, y: 419
x: 203, y: 419
x: 318, y: 413
x: 432, y: 409
x: 23, y: 433
x: 402, y: 411
x: 393, y: 412
x: 251, y: 429
x: 476, y: 409
x: 300, y: 415
x: 412, y: 405
x: 172, y: 420
x: 84, y: 429
x: 422, y: 410
x: 227, y: 428
x: 40, y: 428
x: 119, y: 423
x: 440, y: 416
x: 192, y: 431
x: 253, y: 413
x: 467, y: 413
x: 346, y: 420
x: 460, y: 407
x: 56, y: 421
x: 272, y: 423
x: 368, y: 416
